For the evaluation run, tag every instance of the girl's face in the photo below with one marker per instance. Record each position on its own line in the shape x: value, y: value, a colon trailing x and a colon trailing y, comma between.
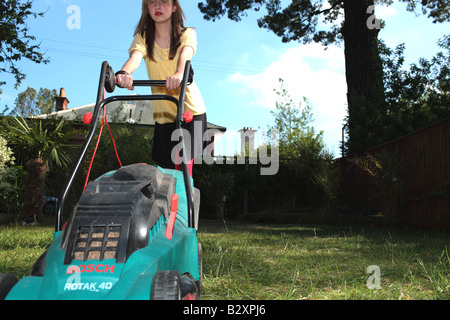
x: 161, y: 10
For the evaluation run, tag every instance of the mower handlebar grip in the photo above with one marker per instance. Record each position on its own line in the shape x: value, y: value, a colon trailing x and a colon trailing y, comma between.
x: 142, y: 83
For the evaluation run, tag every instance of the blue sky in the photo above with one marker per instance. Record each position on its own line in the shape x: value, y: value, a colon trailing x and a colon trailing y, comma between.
x: 237, y: 65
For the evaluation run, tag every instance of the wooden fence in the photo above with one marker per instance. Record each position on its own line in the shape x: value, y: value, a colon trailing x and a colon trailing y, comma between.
x: 422, y: 178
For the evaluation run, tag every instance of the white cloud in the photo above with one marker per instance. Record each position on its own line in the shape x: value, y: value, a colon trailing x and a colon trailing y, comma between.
x: 385, y: 12
x: 308, y: 71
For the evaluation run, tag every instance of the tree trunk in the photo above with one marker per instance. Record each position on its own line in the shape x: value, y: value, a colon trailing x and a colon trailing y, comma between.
x: 364, y: 75
x: 34, y: 190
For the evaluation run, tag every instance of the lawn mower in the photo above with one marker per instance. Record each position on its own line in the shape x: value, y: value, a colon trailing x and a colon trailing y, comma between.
x: 132, y: 234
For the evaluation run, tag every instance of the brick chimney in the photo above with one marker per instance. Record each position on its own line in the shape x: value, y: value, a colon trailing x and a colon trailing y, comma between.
x: 61, y: 101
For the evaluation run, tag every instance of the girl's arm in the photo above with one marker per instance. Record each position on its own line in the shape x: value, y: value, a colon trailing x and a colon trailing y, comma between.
x: 173, y: 82
x: 126, y: 80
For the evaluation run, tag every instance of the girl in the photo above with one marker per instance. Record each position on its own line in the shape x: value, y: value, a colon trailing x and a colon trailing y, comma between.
x: 165, y: 44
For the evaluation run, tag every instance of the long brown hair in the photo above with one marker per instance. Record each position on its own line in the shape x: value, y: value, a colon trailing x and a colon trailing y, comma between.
x: 146, y: 28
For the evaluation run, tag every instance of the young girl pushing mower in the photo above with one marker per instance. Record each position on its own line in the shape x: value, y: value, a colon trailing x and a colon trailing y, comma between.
x: 162, y: 40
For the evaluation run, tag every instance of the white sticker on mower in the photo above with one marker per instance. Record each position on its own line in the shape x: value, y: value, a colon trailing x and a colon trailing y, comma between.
x: 94, y: 287
x: 74, y: 283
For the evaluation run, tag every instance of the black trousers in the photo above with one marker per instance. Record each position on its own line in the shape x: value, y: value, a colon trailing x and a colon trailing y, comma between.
x: 163, y: 144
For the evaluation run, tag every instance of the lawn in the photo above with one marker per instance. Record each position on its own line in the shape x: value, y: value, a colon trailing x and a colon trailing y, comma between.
x: 282, y: 262
x: 291, y: 262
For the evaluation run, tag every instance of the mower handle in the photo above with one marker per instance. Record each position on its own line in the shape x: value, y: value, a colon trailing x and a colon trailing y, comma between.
x: 107, y: 82
x: 111, y: 81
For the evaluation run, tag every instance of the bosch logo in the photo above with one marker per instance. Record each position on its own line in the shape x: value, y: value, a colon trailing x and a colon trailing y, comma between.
x: 101, y: 268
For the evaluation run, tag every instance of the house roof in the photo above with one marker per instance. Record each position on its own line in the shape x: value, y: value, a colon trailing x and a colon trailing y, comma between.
x: 138, y: 112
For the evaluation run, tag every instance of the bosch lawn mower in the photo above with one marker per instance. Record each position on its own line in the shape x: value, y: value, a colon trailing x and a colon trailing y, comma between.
x: 133, y: 233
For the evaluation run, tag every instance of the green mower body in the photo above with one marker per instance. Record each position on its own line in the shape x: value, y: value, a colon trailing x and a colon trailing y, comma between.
x: 116, y: 243
x: 133, y: 233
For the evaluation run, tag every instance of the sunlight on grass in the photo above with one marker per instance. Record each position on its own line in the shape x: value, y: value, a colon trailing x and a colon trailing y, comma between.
x: 20, y: 247
x: 285, y: 262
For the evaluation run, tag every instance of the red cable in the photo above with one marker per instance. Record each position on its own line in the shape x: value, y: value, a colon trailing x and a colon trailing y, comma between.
x: 114, y: 142
x: 95, y: 150
x: 105, y: 119
x: 110, y: 133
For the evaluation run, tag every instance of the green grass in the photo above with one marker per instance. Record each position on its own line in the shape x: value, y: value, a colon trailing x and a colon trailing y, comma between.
x: 288, y: 262
x: 20, y: 247
x: 301, y: 262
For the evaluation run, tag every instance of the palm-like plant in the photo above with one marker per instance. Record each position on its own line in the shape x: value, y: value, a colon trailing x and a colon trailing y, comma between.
x: 36, y: 147
x: 328, y: 178
x: 385, y: 172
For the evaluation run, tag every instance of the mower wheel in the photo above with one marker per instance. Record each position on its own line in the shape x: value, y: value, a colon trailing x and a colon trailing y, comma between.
x: 166, y: 286
x: 7, y: 282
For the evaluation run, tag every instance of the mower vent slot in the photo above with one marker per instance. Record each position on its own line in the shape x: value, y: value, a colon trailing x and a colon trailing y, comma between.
x: 96, y: 243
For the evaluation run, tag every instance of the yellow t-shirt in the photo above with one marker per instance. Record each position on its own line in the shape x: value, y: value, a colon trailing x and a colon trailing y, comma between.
x: 161, y: 68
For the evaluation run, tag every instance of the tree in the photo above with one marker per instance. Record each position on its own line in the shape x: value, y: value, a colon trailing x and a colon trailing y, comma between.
x: 36, y: 147
x: 15, y: 41
x: 31, y: 103
x: 298, y: 139
x: 301, y: 149
x: 418, y: 96
x: 299, y: 21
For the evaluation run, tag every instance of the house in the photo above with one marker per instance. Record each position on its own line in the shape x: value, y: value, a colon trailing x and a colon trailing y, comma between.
x: 135, y: 112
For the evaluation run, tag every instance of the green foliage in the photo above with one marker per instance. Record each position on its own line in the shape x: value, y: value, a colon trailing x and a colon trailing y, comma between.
x: 302, y: 148
x: 36, y: 147
x: 306, y: 20
x: 11, y: 181
x: 36, y: 140
x: 365, y: 123
x: 217, y: 186
x: 298, y: 21
x: 302, y: 154
x: 32, y: 103
x: 415, y: 97
x: 298, y: 139
x: 6, y: 172
x: 15, y: 41
x: 336, y: 21
x: 6, y: 157
x: 418, y: 96
x: 328, y: 178
x: 385, y: 173
x: 134, y: 145
x: 436, y: 9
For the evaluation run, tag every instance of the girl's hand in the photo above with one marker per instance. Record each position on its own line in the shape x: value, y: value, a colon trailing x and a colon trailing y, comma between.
x: 174, y: 82
x: 125, y: 81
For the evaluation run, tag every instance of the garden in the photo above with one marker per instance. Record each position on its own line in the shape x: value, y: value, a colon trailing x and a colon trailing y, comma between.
x: 289, y: 236
x: 254, y: 261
